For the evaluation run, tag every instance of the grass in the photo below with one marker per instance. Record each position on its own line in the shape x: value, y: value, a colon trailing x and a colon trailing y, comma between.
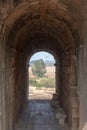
x: 42, y: 82
x: 48, y: 81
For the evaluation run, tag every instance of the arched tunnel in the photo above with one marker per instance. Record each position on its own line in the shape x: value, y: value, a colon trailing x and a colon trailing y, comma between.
x: 36, y: 25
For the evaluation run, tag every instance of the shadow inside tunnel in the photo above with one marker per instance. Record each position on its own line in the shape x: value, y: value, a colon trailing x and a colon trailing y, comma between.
x: 38, y: 115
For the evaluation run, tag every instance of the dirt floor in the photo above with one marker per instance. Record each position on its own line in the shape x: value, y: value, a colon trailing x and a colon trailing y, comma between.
x: 38, y: 113
x: 41, y: 93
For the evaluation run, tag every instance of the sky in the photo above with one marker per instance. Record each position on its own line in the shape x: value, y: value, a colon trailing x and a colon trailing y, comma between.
x: 42, y: 55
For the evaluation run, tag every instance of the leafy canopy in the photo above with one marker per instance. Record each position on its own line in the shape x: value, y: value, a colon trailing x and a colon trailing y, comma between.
x: 39, y: 68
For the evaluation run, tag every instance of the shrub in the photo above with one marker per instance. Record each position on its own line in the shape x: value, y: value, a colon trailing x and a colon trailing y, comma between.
x: 39, y: 68
x: 32, y: 82
x: 43, y: 82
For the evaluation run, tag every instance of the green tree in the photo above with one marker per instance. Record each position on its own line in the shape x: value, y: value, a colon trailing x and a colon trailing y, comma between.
x: 39, y: 68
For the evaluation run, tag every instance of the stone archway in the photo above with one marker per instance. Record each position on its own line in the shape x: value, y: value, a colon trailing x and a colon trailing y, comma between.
x: 18, y: 63
x: 27, y: 29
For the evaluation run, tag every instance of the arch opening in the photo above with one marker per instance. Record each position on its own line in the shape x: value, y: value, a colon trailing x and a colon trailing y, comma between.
x: 25, y: 36
x: 19, y: 66
x: 42, y: 75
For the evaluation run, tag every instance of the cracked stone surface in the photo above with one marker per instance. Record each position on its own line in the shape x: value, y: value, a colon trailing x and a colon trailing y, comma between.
x: 38, y: 115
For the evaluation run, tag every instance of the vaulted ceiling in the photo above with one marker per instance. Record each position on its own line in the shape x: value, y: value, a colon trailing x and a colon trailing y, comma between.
x: 35, y: 23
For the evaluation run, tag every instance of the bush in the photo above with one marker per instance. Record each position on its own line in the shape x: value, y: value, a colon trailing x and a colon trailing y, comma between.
x: 43, y: 82
x: 39, y: 68
x: 32, y: 82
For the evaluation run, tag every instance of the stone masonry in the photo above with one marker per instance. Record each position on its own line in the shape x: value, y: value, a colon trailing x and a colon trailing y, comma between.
x: 58, y: 27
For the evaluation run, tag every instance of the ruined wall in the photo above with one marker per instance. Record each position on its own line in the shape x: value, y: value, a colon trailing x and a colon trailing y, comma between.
x: 15, y: 83
x: 60, y: 19
x: 65, y: 73
x: 82, y: 73
x: 69, y: 97
x: 2, y: 88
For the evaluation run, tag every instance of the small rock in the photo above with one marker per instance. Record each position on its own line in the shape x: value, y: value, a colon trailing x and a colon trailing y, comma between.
x: 61, y: 116
x: 54, y: 103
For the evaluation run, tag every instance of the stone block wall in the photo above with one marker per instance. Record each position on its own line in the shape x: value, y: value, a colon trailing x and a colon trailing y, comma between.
x: 64, y: 96
x: 82, y: 75
x: 14, y: 87
x: 64, y: 20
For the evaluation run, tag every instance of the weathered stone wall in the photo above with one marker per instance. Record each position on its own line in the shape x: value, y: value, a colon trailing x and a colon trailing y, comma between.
x: 82, y: 73
x: 65, y: 72
x: 2, y: 89
x: 69, y: 98
x: 64, y: 20
x: 15, y: 83
x: 19, y: 84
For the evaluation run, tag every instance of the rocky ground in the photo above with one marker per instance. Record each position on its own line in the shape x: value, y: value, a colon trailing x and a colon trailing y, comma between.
x: 41, y: 93
x: 38, y: 113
